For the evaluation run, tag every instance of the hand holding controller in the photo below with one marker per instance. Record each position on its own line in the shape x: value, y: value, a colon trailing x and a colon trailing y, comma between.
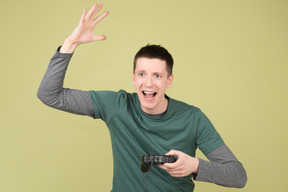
x: 148, y: 160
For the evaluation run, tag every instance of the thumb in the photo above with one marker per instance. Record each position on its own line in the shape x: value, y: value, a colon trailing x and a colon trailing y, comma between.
x: 173, y: 152
x: 99, y: 38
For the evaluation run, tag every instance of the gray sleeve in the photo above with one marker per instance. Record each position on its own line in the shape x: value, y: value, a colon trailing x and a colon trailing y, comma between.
x: 52, y: 93
x: 223, y: 169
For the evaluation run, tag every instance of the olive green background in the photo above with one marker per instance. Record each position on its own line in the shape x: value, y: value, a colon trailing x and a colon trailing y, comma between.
x: 230, y: 60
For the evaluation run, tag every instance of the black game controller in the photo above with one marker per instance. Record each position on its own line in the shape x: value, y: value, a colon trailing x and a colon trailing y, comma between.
x: 148, y: 160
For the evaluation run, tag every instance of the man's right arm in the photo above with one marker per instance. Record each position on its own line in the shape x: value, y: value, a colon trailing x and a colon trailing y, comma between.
x: 51, y: 91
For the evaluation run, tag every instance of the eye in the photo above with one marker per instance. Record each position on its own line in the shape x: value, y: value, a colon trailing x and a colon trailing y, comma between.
x: 141, y: 74
x: 157, y: 76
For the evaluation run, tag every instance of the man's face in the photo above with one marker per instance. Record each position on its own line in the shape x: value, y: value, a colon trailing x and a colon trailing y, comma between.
x: 150, y: 79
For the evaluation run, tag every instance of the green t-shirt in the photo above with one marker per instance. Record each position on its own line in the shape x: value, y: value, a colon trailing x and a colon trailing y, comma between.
x: 134, y: 134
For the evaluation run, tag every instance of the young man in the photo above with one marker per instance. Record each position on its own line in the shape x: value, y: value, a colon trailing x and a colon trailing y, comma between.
x: 146, y: 122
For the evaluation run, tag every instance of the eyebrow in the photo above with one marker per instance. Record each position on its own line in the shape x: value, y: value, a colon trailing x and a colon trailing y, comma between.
x: 143, y: 71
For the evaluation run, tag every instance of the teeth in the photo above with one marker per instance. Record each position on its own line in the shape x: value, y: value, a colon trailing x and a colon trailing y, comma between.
x: 148, y: 92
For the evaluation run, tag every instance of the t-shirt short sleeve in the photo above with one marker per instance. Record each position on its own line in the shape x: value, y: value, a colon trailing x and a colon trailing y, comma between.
x: 105, y: 103
x: 207, y: 138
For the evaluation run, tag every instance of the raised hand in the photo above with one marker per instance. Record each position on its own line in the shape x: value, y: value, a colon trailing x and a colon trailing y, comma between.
x: 83, y: 33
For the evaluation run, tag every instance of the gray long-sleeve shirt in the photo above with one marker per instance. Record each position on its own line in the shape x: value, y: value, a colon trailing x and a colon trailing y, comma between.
x: 223, y: 168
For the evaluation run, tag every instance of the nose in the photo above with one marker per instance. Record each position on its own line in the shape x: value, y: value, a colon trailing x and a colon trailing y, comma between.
x: 148, y: 81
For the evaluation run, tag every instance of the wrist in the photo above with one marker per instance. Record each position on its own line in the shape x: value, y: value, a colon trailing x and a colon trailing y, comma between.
x: 196, y: 165
x: 68, y: 46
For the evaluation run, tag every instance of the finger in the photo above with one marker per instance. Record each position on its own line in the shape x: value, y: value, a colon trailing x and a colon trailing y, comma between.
x: 99, y: 38
x: 91, y: 12
x: 173, y: 172
x: 83, y: 15
x: 162, y: 166
x: 96, y: 11
x: 174, y: 152
x: 170, y: 166
x: 99, y: 18
x: 176, y: 174
x: 170, y: 171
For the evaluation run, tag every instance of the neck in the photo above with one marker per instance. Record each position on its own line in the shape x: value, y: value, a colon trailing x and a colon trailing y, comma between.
x: 161, y: 110
x: 157, y: 115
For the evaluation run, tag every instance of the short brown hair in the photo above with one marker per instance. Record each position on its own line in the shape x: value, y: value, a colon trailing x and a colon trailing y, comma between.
x: 155, y: 52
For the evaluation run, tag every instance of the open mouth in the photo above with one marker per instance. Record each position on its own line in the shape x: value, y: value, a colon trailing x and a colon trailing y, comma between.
x: 148, y: 94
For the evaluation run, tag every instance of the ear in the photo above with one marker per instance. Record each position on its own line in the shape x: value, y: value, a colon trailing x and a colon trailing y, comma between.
x: 170, y: 81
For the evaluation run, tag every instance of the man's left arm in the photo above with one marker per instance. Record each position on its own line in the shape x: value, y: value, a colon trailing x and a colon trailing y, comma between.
x: 223, y: 168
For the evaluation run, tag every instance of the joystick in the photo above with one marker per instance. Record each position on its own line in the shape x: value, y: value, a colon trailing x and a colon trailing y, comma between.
x: 148, y: 160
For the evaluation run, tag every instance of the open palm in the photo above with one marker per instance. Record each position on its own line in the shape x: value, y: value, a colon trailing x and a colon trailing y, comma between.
x: 83, y: 33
